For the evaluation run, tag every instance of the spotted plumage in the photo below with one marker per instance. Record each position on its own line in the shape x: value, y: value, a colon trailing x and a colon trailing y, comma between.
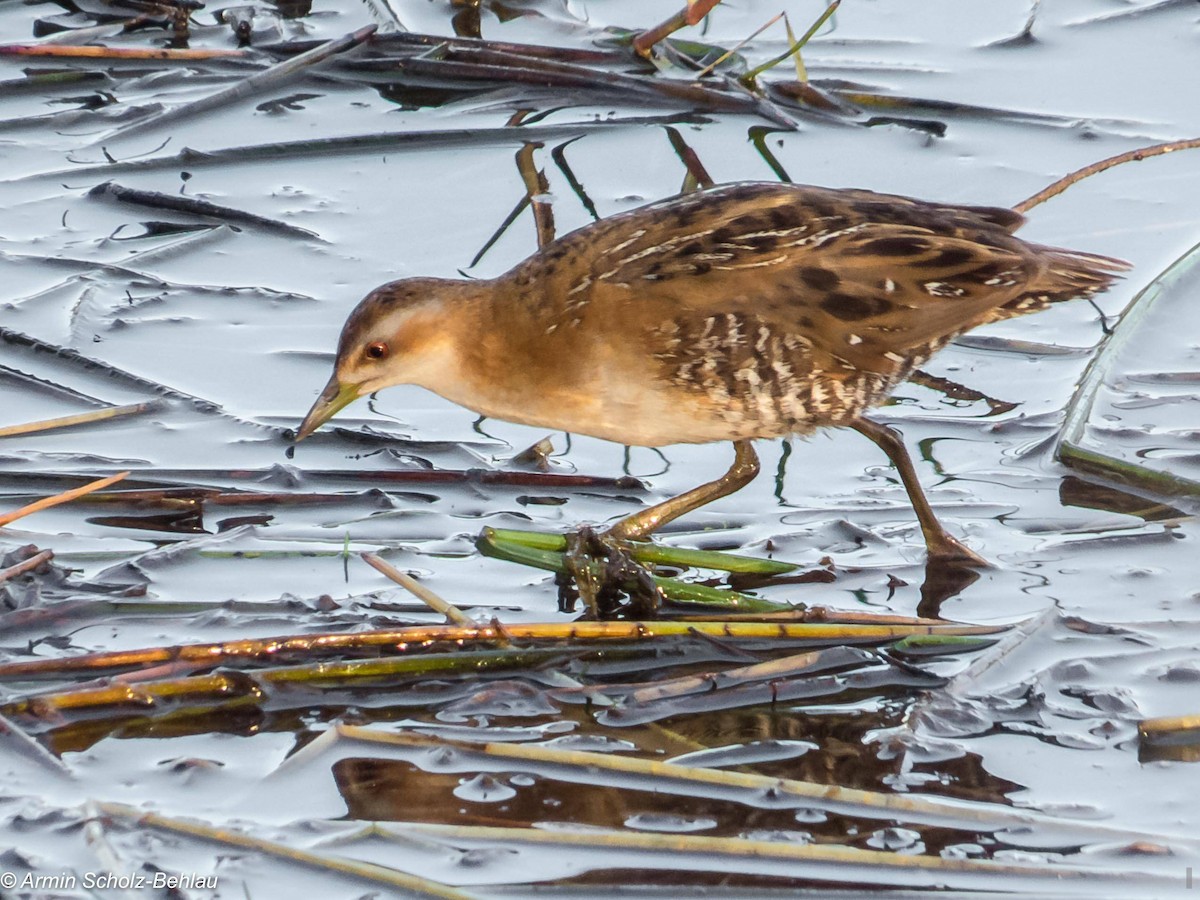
x: 753, y: 310
x: 739, y: 312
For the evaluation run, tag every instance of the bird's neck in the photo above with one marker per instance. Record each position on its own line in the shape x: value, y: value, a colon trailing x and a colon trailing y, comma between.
x: 498, y: 358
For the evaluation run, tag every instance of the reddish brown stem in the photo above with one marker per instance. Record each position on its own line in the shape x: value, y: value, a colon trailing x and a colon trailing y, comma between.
x: 64, y: 497
x: 1097, y: 167
x: 689, y: 15
x: 27, y: 565
x: 98, y: 52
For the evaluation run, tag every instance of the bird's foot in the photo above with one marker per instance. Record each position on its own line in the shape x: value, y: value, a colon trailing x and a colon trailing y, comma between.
x: 599, y: 570
x: 946, y: 550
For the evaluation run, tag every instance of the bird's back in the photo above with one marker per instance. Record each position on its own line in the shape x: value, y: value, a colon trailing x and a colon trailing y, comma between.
x: 774, y: 308
x: 894, y: 271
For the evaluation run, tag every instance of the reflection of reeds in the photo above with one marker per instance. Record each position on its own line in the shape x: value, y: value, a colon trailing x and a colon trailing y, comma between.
x: 1170, y: 738
x: 627, y: 771
x: 603, y: 849
x: 823, y: 864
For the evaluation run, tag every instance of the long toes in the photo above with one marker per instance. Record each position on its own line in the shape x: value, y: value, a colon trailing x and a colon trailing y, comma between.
x: 604, y: 570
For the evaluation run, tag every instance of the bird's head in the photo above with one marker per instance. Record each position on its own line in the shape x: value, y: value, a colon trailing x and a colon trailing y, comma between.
x: 396, y: 335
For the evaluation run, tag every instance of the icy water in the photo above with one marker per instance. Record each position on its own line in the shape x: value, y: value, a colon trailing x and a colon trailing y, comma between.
x: 231, y: 327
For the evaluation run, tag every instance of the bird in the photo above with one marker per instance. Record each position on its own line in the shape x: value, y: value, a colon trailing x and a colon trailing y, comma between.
x: 745, y: 311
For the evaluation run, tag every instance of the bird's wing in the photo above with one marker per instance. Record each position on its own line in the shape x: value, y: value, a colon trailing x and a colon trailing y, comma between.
x: 865, y: 278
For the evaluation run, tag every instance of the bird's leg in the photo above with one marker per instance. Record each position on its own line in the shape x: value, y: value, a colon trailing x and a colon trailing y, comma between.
x: 600, y: 564
x: 641, y: 525
x: 940, y: 544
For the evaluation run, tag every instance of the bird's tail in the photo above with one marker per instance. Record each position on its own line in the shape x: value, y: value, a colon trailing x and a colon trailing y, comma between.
x: 1067, y: 274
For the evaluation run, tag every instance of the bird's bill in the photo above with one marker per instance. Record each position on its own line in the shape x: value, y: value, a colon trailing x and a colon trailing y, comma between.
x: 333, y: 399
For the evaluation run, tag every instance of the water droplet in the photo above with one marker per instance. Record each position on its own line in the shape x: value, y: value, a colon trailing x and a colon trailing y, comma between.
x: 484, y: 789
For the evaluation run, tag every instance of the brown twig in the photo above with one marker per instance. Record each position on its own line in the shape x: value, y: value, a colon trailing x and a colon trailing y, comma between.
x: 536, y: 188
x: 99, y: 415
x: 406, y: 885
x: 70, y: 50
x: 691, y: 14
x: 688, y: 157
x: 65, y: 497
x: 1097, y: 167
x: 453, y: 614
x: 27, y: 565
x: 196, y: 207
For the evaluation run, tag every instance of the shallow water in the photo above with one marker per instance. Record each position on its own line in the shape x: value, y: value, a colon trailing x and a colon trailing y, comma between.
x: 234, y: 329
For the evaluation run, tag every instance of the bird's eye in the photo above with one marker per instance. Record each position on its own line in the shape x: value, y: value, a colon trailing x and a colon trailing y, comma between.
x: 377, y: 350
